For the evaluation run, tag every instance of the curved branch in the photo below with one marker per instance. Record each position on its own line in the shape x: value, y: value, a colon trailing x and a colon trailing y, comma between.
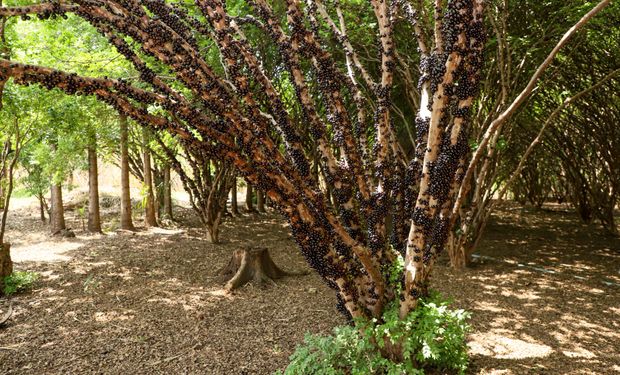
x: 549, y: 120
x: 44, y: 10
x: 502, y: 118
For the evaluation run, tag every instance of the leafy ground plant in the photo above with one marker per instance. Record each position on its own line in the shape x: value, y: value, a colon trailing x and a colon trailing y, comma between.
x: 19, y: 281
x: 432, y: 337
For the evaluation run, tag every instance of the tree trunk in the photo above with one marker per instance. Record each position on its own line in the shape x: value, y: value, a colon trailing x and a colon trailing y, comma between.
x: 233, y: 199
x: 6, y: 265
x: 249, y: 194
x: 458, y: 251
x: 57, y: 219
x: 2, y: 173
x: 213, y: 232
x: 149, y: 214
x: 167, y: 194
x: 255, y: 265
x: 42, y: 208
x: 260, y: 201
x: 58, y: 213
x: 126, y: 221
x: 94, y: 217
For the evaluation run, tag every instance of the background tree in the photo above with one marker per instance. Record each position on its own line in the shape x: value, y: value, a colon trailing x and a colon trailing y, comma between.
x: 515, y: 49
x: 126, y: 219
x: 207, y: 181
x: 588, y: 178
x: 15, y: 133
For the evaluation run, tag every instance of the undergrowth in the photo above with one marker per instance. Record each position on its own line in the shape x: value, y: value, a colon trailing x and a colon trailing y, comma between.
x: 432, y: 337
x: 19, y: 281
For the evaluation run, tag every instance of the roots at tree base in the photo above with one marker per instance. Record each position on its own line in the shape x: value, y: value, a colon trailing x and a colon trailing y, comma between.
x: 252, y: 264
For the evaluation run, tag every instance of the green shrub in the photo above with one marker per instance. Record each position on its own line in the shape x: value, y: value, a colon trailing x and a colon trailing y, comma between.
x: 431, y: 337
x: 19, y: 281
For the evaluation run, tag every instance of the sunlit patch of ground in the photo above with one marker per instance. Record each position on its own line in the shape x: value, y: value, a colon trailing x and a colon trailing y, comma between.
x: 541, y: 296
x: 498, y: 344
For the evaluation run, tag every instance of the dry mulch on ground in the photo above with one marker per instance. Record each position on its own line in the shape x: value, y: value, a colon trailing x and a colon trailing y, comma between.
x: 150, y: 302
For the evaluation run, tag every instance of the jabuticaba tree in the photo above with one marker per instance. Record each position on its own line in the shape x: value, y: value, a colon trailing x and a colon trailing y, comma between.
x: 236, y: 108
x: 206, y: 180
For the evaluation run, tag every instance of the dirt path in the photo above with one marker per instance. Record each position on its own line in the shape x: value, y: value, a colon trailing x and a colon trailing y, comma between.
x: 148, y: 303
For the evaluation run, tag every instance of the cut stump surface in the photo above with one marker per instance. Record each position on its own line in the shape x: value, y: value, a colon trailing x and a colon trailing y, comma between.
x: 252, y: 264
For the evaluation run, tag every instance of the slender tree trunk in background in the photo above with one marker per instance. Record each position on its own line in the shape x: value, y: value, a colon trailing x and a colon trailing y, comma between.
x: 2, y: 173
x: 260, y: 201
x: 57, y: 219
x: 42, y: 208
x: 6, y: 264
x: 233, y: 199
x: 167, y: 194
x: 157, y: 181
x: 126, y: 221
x: 94, y: 217
x: 58, y: 213
x: 149, y: 214
x: 249, y: 193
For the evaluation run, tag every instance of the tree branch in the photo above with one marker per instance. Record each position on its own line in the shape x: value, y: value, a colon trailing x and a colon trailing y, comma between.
x: 519, y: 100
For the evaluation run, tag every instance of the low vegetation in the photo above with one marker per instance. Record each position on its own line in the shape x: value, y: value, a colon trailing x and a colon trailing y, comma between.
x: 19, y: 281
x: 432, y: 336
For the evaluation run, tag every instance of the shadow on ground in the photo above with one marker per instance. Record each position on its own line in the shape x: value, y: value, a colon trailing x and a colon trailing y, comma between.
x: 545, y: 297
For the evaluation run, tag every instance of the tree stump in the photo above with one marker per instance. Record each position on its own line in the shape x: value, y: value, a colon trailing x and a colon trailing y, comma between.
x: 6, y: 265
x: 254, y: 265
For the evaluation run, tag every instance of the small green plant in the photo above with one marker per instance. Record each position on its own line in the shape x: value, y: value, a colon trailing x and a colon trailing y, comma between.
x: 19, y: 281
x: 432, y: 336
x: 91, y: 283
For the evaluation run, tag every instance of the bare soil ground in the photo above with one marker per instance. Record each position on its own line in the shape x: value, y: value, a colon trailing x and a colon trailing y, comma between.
x: 544, y: 297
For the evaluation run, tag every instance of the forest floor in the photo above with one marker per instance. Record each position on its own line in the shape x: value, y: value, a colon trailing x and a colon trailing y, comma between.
x: 544, y: 297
